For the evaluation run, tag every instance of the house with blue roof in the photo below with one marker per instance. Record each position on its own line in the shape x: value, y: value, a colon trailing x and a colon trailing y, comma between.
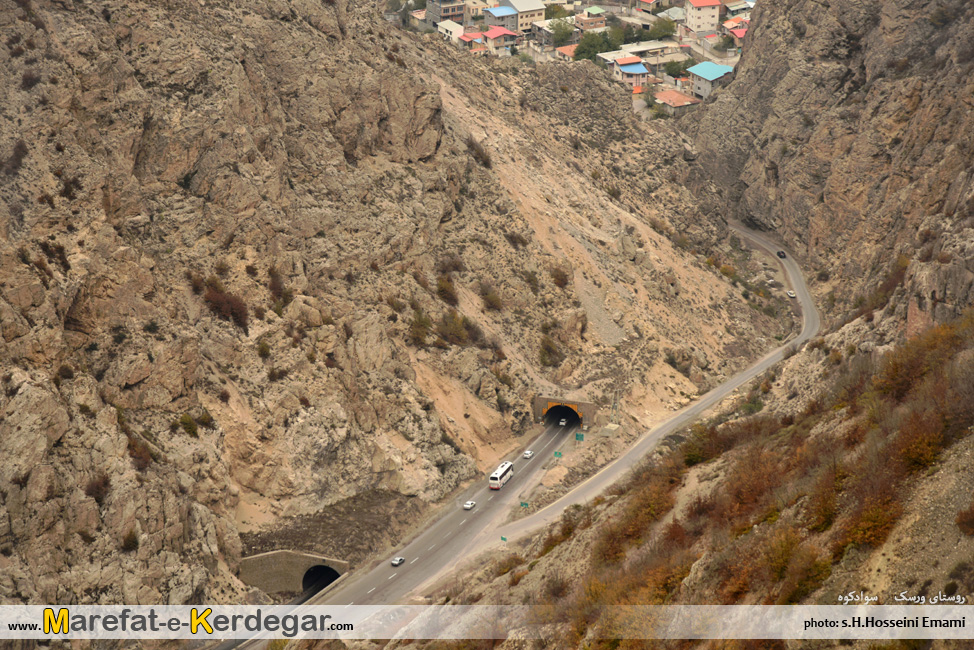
x: 708, y: 76
x: 505, y: 17
x: 631, y: 71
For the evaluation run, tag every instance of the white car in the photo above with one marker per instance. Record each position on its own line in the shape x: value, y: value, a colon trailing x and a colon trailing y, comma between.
x: 791, y: 294
x: 469, y: 505
x: 528, y: 454
x: 396, y: 561
x: 563, y: 422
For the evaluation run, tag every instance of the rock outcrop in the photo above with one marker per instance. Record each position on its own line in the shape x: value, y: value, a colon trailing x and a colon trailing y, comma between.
x: 848, y: 130
x: 259, y: 262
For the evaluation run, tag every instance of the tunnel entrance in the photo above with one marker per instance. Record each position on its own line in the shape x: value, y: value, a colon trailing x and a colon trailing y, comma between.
x: 556, y: 413
x: 318, y: 577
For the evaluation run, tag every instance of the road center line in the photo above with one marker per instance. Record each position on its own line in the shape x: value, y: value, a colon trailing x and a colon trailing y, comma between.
x: 391, y: 577
x: 414, y: 560
x: 371, y: 590
x: 431, y: 548
x: 463, y: 522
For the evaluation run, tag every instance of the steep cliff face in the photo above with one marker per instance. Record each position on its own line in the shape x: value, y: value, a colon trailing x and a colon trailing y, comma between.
x: 848, y: 129
x: 263, y: 261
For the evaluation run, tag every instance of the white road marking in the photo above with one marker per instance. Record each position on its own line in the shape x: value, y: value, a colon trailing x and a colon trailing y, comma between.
x: 463, y: 522
x: 546, y: 446
x: 431, y: 547
x: 489, y: 498
x: 414, y: 561
x: 371, y: 590
x: 392, y: 576
x: 350, y: 604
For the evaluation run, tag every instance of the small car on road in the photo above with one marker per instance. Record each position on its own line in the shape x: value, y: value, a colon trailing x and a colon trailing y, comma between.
x: 396, y: 561
x: 469, y: 505
x: 528, y: 454
x: 563, y: 422
x: 780, y: 254
x: 791, y: 294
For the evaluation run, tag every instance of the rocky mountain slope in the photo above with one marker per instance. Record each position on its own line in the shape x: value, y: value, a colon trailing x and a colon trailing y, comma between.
x: 848, y: 130
x: 263, y: 265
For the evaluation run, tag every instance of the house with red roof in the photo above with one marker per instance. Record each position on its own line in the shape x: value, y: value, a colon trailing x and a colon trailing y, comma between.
x: 472, y: 40
x: 566, y: 52
x: 702, y: 16
x: 630, y: 70
x: 738, y: 35
x: 674, y: 103
x: 499, y: 40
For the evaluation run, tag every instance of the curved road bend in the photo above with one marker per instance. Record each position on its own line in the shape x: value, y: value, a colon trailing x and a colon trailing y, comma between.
x: 459, y: 534
x: 489, y: 537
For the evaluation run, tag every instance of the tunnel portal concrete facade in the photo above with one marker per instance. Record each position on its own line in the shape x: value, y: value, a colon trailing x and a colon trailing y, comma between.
x: 586, y: 411
x: 283, y: 571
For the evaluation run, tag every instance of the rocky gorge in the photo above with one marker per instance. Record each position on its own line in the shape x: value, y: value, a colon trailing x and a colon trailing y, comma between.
x: 269, y: 262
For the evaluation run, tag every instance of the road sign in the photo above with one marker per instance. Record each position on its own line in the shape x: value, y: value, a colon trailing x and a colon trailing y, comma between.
x: 524, y: 504
x: 503, y: 539
x: 579, y: 436
x: 557, y: 454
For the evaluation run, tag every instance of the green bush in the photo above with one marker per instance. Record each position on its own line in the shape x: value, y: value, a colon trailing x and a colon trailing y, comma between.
x: 130, y: 542
x: 550, y: 354
x: 98, y: 487
x: 188, y: 424
x: 419, y: 328
x: 451, y: 328
x: 446, y: 291
x: 560, y: 277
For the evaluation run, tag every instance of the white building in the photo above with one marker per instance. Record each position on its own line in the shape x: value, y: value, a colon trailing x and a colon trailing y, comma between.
x: 451, y: 30
x: 703, y: 16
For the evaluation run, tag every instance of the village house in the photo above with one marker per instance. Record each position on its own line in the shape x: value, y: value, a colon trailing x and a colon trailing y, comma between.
x: 630, y: 70
x: 738, y: 36
x: 439, y: 10
x: 544, y: 32
x: 528, y: 13
x: 652, y: 5
x: 674, y: 103
x: 473, y: 41
x: 566, y: 52
x: 451, y: 30
x: 499, y: 40
x: 590, y: 19
x: 736, y: 7
x: 474, y: 10
x: 708, y: 76
x: 417, y: 19
x: 676, y: 14
x: 703, y: 17
x: 500, y: 16
x: 737, y: 22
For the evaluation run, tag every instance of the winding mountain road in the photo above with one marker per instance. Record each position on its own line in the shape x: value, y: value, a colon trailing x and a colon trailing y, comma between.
x: 460, y: 535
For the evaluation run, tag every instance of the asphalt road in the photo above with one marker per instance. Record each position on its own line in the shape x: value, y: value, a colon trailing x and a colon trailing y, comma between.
x: 595, y: 485
x: 461, y: 534
x: 443, y: 543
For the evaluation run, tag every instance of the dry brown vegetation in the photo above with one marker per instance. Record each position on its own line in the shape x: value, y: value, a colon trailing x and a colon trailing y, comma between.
x: 788, y: 506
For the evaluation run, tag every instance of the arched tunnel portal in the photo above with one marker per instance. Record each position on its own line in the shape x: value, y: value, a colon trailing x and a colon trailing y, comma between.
x: 559, y: 412
x: 318, y: 577
x: 550, y: 409
x: 287, y: 571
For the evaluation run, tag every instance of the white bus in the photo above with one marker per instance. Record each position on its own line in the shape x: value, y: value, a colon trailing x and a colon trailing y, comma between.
x: 501, y: 475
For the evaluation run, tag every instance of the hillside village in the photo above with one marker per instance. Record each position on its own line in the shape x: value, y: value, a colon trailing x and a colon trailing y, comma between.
x: 672, y: 57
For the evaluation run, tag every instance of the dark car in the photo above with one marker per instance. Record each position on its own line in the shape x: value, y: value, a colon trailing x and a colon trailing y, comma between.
x: 781, y: 254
